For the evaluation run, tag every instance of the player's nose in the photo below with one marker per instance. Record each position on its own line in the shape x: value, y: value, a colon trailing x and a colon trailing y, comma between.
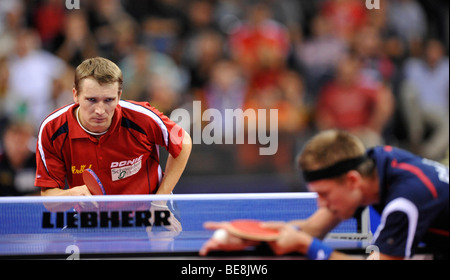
x: 100, y: 109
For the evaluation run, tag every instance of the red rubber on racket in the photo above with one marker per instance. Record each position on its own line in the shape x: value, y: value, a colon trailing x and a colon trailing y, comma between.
x: 252, y: 230
x: 93, y: 182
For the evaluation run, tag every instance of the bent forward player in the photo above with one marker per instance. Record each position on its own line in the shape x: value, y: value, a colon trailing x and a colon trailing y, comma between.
x: 410, y: 193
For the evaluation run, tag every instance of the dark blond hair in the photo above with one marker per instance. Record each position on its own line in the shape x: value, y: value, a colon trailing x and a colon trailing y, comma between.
x: 330, y: 147
x: 103, y: 70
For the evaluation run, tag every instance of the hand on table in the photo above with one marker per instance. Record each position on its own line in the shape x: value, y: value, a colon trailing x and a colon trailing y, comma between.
x: 229, y: 243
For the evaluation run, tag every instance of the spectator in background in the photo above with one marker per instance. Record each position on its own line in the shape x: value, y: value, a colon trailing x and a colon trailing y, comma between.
x: 62, y: 88
x: 292, y: 14
x: 424, y: 94
x: 407, y: 19
x: 319, y: 55
x: 136, y: 72
x: 126, y: 38
x: 163, y: 24
x: 354, y: 103
x: 286, y: 95
x: 4, y: 88
x: 17, y: 160
x: 49, y: 20
x: 162, y: 93
x: 261, y: 47
x: 368, y: 46
x: 78, y: 43
x: 260, y: 44
x: 346, y: 16
x: 160, y: 34
x: 391, y: 43
x: 105, y: 18
x: 168, y: 48
x: 148, y: 74
x: 202, y: 44
x: 202, y: 51
x: 32, y: 72
x: 12, y: 14
x: 225, y: 89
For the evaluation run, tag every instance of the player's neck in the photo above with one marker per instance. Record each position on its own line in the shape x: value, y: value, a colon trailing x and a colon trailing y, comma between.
x: 371, y: 190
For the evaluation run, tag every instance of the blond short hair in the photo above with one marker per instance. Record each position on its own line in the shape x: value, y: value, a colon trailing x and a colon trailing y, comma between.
x: 330, y: 147
x: 103, y: 70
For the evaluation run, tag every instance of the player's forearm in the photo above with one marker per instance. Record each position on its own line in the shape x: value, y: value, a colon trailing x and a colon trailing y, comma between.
x: 59, y: 206
x: 314, y: 249
x: 319, y: 223
x: 55, y: 192
x: 336, y: 255
x: 175, y: 167
x: 75, y: 191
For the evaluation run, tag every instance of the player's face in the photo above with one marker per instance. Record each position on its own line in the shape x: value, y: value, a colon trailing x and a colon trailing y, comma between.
x: 338, y: 196
x: 97, y: 104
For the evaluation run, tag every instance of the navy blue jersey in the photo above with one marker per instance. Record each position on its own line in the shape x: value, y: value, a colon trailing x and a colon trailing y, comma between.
x: 413, y: 202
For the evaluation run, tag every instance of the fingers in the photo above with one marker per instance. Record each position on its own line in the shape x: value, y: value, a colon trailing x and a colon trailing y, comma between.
x: 209, y: 246
x: 229, y: 243
x: 84, y: 191
x: 232, y: 243
x: 215, y: 225
x: 174, y: 224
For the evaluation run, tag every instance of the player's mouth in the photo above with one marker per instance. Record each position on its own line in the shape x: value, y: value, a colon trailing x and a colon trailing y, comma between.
x: 98, y: 120
x: 334, y: 211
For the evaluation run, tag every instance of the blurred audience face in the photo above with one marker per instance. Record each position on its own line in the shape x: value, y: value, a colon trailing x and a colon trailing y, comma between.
x: 347, y: 70
x: 434, y: 51
x: 16, y: 143
x: 26, y: 41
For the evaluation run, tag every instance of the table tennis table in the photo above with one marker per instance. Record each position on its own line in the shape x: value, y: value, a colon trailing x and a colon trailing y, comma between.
x: 118, y: 226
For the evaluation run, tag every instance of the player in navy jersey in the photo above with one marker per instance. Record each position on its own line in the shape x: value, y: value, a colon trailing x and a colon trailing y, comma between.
x: 410, y: 193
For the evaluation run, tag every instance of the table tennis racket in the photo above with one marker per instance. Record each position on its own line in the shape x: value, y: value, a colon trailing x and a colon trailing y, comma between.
x: 93, y: 182
x: 252, y: 230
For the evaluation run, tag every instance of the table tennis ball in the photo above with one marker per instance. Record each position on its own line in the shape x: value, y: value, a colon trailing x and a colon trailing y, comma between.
x: 220, y: 235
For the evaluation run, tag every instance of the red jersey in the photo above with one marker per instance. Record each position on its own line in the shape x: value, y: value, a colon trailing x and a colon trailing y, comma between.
x: 126, y: 158
x: 348, y: 107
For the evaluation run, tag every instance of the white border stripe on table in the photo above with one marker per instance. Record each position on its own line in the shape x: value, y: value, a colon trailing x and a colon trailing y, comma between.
x: 115, y: 198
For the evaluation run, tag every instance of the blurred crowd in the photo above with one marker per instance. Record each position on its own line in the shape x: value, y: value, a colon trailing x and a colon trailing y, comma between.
x: 382, y: 74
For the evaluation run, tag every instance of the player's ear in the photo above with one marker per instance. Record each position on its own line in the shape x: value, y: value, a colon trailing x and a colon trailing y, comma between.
x: 120, y: 94
x: 354, y: 178
x: 75, y: 95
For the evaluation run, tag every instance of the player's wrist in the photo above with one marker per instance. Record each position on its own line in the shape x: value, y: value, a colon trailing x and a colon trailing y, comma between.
x: 77, y: 191
x: 317, y: 250
x: 159, y: 203
x: 302, y: 242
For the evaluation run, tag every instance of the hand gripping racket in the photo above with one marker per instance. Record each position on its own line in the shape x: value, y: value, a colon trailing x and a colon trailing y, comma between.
x: 93, y: 182
x: 252, y: 230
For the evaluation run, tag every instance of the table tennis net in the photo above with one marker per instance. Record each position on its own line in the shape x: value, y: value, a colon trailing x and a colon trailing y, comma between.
x: 100, y: 214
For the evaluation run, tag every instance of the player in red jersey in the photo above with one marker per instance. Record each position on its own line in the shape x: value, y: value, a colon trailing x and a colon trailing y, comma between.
x: 117, y: 139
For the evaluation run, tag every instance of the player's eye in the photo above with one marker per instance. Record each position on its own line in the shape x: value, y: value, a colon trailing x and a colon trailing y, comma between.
x: 91, y: 99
